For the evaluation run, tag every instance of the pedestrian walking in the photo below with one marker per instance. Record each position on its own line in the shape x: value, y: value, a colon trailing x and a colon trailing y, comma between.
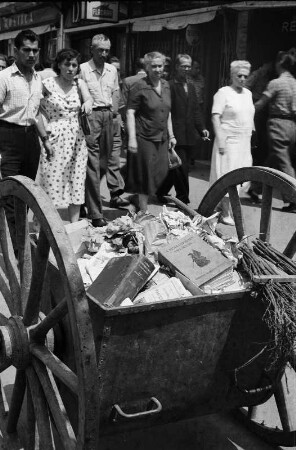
x: 102, y: 81
x: 188, y: 126
x: 280, y: 96
x: 233, y: 121
x: 63, y: 175
x: 150, y: 133
x: 20, y: 119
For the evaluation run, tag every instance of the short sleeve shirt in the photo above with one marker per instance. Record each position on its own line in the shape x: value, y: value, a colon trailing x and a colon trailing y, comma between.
x: 152, y: 109
x: 101, y: 86
x: 19, y: 98
x: 282, y: 94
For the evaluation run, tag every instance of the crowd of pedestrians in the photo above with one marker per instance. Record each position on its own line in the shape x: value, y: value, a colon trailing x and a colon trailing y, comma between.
x: 159, y: 109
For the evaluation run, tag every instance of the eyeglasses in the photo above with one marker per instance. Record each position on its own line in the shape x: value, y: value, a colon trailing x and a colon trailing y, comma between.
x: 29, y: 50
x: 102, y: 50
x: 242, y: 76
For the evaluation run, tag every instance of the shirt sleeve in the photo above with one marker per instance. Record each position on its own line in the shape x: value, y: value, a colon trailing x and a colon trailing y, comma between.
x: 134, y: 97
x: 271, y: 89
x: 3, y: 90
x: 219, y: 102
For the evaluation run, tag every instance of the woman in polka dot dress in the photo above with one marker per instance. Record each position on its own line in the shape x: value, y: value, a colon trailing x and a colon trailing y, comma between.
x: 62, y: 175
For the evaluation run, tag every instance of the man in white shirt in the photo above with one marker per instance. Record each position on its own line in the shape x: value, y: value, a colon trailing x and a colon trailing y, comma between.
x: 20, y: 121
x: 102, y: 81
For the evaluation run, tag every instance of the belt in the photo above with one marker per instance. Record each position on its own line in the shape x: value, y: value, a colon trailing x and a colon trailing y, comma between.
x: 102, y: 108
x: 283, y: 116
x: 15, y: 126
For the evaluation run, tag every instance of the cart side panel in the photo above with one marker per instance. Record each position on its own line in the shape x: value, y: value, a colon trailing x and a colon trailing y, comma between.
x: 183, y: 353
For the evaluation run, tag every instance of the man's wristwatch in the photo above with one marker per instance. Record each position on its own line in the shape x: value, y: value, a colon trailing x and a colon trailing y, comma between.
x: 44, y: 138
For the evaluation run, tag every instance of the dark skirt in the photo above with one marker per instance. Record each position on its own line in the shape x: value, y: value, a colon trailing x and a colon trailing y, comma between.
x: 147, y: 168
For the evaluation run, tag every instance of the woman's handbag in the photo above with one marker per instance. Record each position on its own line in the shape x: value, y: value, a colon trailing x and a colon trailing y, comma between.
x: 82, y: 116
x: 174, y: 159
x: 84, y: 122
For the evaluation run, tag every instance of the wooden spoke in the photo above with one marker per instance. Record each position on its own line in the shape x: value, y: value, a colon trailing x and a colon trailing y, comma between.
x: 24, y: 248
x: 3, y: 319
x: 30, y: 422
x: 10, y: 263
x: 266, y: 209
x: 58, y: 368
x: 5, y: 291
x: 4, y: 365
x: 52, y: 279
x: 5, y: 406
x: 39, y: 271
x: 40, y: 331
x: 237, y: 211
x: 56, y: 406
x: 285, y: 402
x: 41, y: 411
x: 290, y: 250
x: 16, y: 400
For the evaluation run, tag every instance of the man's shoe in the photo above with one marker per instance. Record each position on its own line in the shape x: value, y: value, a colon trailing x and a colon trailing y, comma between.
x: 101, y: 222
x: 83, y: 213
x: 161, y: 199
x: 290, y: 208
x: 254, y: 197
x: 118, y: 202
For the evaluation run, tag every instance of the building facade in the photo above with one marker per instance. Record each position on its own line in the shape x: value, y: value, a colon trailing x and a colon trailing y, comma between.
x: 212, y: 32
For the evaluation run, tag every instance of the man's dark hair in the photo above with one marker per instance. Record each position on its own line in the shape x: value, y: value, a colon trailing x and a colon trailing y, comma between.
x: 25, y: 35
x: 66, y: 54
x: 286, y: 60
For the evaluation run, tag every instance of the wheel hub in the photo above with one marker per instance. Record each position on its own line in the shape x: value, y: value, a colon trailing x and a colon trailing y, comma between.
x: 15, y: 343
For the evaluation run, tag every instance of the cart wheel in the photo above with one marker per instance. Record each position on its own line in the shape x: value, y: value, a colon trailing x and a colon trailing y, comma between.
x: 272, y: 181
x: 26, y: 335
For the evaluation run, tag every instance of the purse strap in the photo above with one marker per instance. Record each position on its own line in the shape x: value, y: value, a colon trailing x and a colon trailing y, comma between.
x: 79, y: 91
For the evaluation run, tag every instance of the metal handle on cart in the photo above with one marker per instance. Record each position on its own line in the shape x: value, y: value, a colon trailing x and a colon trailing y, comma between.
x: 117, y: 411
x: 245, y: 390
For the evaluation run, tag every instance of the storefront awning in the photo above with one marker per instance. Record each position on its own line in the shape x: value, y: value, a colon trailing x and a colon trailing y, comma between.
x: 38, y: 30
x: 245, y: 6
x: 173, y: 23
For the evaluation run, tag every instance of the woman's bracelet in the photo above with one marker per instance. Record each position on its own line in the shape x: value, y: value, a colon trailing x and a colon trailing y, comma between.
x: 172, y: 137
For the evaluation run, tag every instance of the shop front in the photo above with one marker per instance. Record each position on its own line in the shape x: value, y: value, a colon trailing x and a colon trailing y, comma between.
x: 270, y: 31
x: 44, y: 21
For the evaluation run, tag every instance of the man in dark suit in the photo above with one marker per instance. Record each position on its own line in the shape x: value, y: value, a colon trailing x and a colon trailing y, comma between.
x: 187, y: 123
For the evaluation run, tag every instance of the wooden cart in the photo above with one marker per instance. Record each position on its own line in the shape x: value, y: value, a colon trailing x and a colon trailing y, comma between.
x: 84, y: 371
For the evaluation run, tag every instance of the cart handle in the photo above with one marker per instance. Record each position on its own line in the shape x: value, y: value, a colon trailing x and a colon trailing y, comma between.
x: 117, y: 411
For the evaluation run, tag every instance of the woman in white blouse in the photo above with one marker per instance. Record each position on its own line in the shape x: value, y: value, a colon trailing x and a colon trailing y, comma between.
x: 233, y: 121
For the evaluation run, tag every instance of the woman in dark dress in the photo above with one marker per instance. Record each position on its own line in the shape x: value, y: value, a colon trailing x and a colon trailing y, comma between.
x: 150, y: 132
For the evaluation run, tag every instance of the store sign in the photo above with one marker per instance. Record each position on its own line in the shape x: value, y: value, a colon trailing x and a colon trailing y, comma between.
x: 289, y: 26
x: 192, y: 35
x: 103, y: 11
x: 16, y: 21
x: 28, y: 19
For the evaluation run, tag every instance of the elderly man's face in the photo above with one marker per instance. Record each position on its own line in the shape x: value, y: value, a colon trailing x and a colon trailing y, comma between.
x: 183, y: 69
x: 100, y: 51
